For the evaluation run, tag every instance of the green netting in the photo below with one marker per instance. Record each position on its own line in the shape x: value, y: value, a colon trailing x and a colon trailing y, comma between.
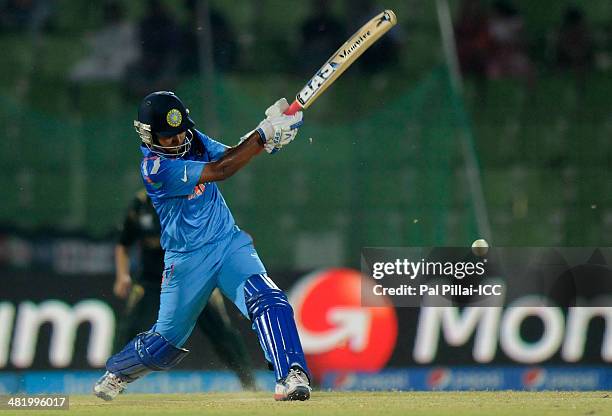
x: 384, y: 166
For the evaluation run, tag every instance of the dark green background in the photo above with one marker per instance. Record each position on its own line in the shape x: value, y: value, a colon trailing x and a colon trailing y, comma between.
x: 384, y: 166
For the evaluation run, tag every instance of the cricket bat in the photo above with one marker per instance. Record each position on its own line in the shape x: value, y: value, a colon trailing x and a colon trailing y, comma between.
x: 342, y: 59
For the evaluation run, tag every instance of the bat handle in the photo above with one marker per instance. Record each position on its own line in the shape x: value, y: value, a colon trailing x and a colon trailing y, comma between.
x: 293, y: 108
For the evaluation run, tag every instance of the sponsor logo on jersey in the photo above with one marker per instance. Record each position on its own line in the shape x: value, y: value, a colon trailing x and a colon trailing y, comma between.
x: 197, y: 191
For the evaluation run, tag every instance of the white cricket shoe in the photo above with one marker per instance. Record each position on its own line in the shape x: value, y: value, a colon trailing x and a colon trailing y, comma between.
x: 295, y: 386
x: 109, y: 386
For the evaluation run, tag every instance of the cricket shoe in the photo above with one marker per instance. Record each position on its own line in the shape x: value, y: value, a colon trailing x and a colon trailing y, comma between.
x: 109, y: 386
x: 296, y: 386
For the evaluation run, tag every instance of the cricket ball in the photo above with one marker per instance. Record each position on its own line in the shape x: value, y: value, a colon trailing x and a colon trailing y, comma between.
x: 480, y: 247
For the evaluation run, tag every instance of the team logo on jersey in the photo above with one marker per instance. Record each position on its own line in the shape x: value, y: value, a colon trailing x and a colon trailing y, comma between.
x: 174, y: 117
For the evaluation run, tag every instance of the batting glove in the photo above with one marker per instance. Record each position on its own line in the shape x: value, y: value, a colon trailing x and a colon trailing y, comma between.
x: 278, y: 129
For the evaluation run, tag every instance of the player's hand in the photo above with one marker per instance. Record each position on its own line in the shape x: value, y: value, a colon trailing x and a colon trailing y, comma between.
x: 123, y: 284
x: 278, y: 129
x: 278, y: 108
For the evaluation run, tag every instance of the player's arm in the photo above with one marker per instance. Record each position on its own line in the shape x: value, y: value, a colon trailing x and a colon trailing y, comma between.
x: 233, y: 159
x: 123, y: 280
x: 127, y: 237
x: 271, y: 134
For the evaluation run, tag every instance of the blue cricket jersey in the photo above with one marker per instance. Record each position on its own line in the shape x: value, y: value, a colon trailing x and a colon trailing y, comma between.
x: 191, y: 215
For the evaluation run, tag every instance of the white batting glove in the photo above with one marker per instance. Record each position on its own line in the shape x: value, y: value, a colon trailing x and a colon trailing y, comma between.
x: 277, y: 108
x: 278, y: 129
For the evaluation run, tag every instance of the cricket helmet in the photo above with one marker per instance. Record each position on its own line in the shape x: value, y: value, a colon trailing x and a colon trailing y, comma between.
x: 162, y: 113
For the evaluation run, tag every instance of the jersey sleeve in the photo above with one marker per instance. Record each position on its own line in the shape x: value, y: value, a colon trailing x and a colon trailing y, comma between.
x: 168, y: 178
x: 214, y: 149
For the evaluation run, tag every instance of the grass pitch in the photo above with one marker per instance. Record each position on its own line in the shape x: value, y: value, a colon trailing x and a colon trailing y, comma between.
x: 349, y: 404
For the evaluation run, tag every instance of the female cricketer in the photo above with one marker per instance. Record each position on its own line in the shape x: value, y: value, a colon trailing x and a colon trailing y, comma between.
x: 204, y: 247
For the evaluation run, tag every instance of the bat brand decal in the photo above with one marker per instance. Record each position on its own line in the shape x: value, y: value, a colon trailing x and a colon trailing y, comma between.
x: 344, y: 57
x: 346, y: 52
x: 315, y: 83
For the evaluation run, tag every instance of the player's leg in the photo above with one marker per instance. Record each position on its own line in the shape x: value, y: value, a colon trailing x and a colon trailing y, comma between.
x: 273, y: 320
x: 226, y: 340
x: 186, y: 286
x: 243, y: 279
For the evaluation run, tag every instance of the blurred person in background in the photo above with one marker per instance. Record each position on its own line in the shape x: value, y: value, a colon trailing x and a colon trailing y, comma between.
x: 321, y: 34
x: 473, y: 40
x: 107, y: 61
x: 20, y: 15
x: 574, y: 44
x: 508, y: 56
x: 159, y: 39
x: 386, y: 53
x: 141, y: 227
x: 224, y: 43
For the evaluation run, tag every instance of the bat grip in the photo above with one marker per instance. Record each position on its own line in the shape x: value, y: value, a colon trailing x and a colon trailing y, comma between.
x: 293, y: 108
